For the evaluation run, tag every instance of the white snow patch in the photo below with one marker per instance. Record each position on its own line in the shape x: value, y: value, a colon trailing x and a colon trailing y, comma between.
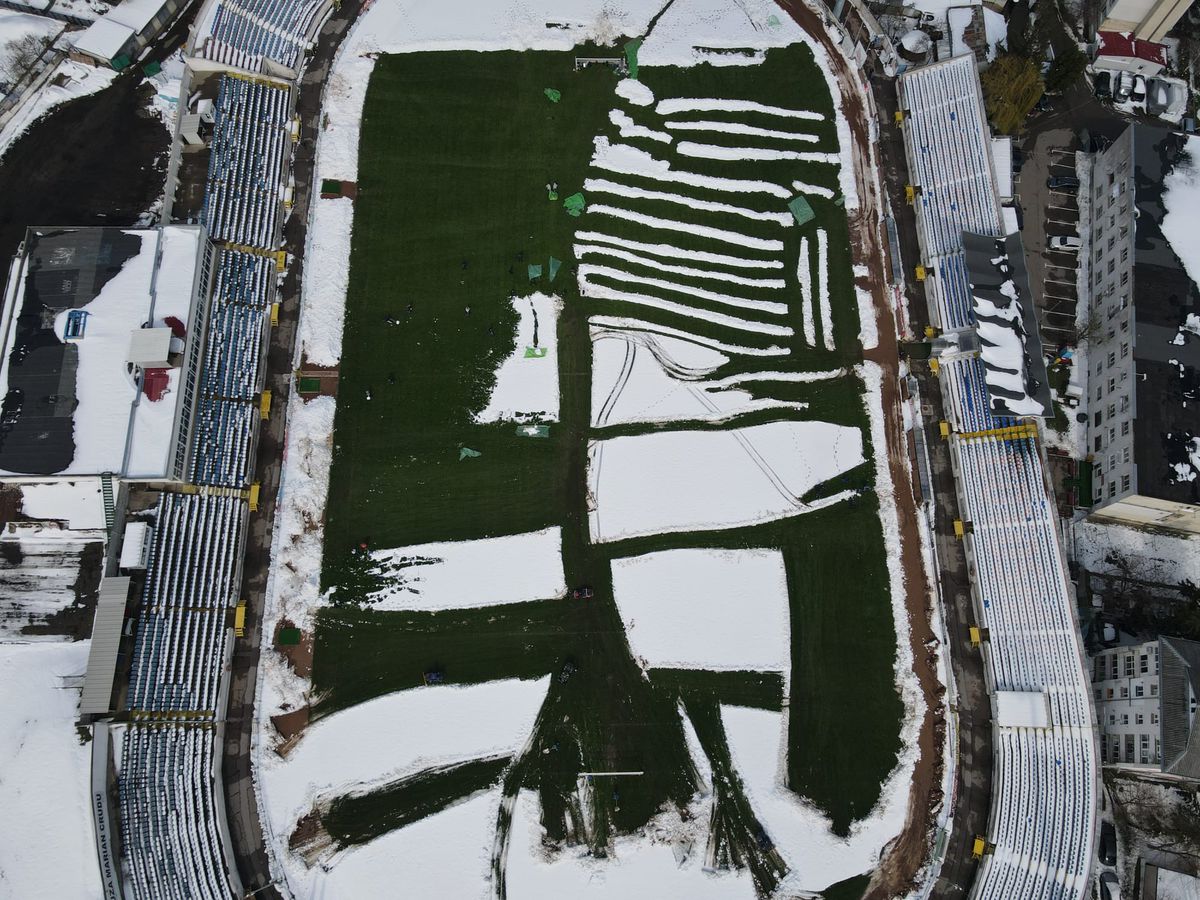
x: 631, y: 129
x: 669, y: 251
x: 718, y: 234
x: 868, y: 328
x: 1181, y: 200
x: 623, y: 159
x: 643, y: 865
x: 78, y: 503
x: 622, y: 323
x: 743, y: 129
x: 823, y: 288
x: 706, y: 609
x: 800, y: 832
x: 804, y: 276
x: 45, y: 775
x: 635, y: 92
x: 663, y: 481
x: 815, y: 189
x: 582, y: 250
x: 602, y: 292
x: 587, y: 270
x: 603, y: 186
x: 484, y: 572
x: 326, y: 276
x: 675, y: 105
x: 642, y: 377
x: 714, y: 151
x: 395, y: 736
x: 527, y: 381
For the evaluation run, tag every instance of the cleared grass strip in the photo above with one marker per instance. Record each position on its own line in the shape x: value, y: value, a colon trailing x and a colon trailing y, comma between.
x: 603, y: 186
x: 757, y: 154
x: 672, y: 252
x: 602, y: 292
x: 621, y: 323
x: 717, y: 234
x: 623, y: 159
x: 742, y: 128
x: 582, y: 250
x: 804, y: 276
x: 741, y: 303
x: 673, y: 105
x: 815, y: 189
x: 631, y: 129
x: 823, y: 288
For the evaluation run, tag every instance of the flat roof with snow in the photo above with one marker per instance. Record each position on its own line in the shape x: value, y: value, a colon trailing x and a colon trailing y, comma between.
x: 72, y: 403
x: 104, y: 39
x: 1022, y: 709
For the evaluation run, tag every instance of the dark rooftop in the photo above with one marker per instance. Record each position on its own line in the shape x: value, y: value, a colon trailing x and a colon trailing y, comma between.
x: 1167, y: 356
x: 66, y: 269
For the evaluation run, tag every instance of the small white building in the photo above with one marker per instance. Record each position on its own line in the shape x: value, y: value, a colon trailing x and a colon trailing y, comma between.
x: 118, y: 36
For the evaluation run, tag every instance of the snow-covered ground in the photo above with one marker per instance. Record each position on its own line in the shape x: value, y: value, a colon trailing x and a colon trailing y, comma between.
x: 706, y: 609
x: 527, y: 381
x: 447, y: 575
x: 17, y: 27
x: 1181, y: 199
x: 80, y: 504
x: 77, y: 80
x: 670, y: 481
x: 388, y: 738
x: 45, y: 771
x: 1154, y: 556
x: 817, y: 857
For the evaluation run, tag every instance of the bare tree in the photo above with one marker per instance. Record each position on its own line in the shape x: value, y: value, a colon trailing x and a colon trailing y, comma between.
x: 19, y: 55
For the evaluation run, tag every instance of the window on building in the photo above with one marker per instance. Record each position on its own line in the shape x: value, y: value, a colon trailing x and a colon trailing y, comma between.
x: 1116, y: 667
x: 1144, y: 663
x: 1124, y: 349
x: 1125, y: 428
x: 1112, y: 464
x: 1112, y: 435
x: 1125, y: 455
x: 1124, y: 324
x: 1112, y: 266
x: 1112, y: 410
x: 1112, y: 239
x: 1112, y: 718
x: 1124, y: 254
x: 1128, y: 665
x: 1099, y: 396
x: 1124, y: 718
x: 1112, y: 492
x: 1125, y: 483
x: 1154, y: 689
x: 1153, y: 718
x: 1099, y: 442
x: 1099, y: 367
x: 1124, y: 277
x: 1129, y: 748
x: 1112, y: 358
x: 1112, y: 385
x: 1099, y: 668
x: 1139, y: 719
x: 1109, y: 694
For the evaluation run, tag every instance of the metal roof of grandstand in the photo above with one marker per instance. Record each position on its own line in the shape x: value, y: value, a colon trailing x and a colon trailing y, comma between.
x: 1006, y: 322
x: 1179, y: 662
x: 96, y: 698
x: 74, y: 295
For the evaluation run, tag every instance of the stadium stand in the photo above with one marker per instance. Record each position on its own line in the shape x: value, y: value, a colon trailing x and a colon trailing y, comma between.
x: 1041, y: 827
x: 950, y: 164
x: 246, y: 168
x: 245, y: 33
x: 170, y: 827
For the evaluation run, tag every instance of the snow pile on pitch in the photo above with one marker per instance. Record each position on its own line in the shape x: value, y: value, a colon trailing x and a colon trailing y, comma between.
x: 484, y: 572
x: 706, y: 609
x: 326, y: 276
x: 673, y: 481
x: 527, y: 381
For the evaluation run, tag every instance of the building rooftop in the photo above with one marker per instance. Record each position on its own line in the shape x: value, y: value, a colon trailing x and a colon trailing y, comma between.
x: 1167, y: 353
x: 72, y: 403
x: 1122, y: 44
x: 1179, y: 667
x: 1006, y: 321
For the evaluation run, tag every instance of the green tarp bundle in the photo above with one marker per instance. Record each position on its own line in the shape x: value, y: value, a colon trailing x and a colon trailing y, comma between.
x: 535, y: 352
x: 555, y: 265
x: 552, y: 94
x: 535, y: 271
x: 801, y: 210
x: 468, y: 453
x: 574, y: 204
x: 631, y: 54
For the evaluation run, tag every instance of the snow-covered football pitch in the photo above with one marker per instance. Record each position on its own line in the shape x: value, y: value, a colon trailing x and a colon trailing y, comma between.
x: 596, y: 549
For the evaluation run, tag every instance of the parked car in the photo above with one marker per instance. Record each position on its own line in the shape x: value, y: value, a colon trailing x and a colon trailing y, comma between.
x: 1138, y: 92
x: 569, y: 668
x: 583, y: 592
x: 1108, y: 844
x: 1110, y: 887
x: 1102, y: 85
x: 1122, y: 86
x: 1065, y: 242
x: 1062, y: 183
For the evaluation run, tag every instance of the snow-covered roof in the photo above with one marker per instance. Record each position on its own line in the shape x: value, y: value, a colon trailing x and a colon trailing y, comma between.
x: 106, y: 642
x: 135, y: 14
x: 1022, y: 709
x: 104, y: 39
x: 1123, y: 44
x: 71, y: 404
x: 1006, y: 323
x: 1002, y: 166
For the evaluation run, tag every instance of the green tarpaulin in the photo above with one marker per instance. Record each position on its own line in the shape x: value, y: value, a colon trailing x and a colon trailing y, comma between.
x: 553, y: 94
x: 555, y: 265
x: 801, y: 210
x: 289, y: 637
x: 535, y: 352
x: 468, y: 453
x: 574, y: 204
x: 631, y: 54
x: 535, y: 271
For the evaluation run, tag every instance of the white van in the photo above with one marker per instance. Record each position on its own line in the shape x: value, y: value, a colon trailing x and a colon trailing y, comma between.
x: 1066, y: 242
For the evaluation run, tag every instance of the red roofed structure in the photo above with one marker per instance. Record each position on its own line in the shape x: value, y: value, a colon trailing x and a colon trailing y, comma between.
x: 1121, y: 50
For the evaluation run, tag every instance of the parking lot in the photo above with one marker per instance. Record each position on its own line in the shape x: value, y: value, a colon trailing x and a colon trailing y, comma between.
x: 1049, y: 213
